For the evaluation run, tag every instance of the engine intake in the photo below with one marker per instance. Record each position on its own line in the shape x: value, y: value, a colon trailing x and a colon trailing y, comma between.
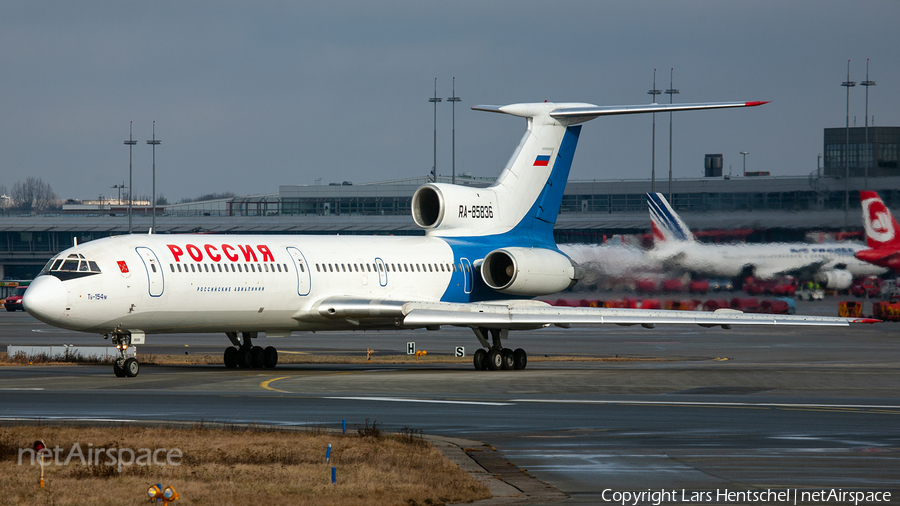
x: 438, y: 207
x: 428, y: 207
x: 528, y: 271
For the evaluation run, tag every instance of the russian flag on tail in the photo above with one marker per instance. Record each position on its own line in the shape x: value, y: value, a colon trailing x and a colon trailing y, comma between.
x: 541, y: 161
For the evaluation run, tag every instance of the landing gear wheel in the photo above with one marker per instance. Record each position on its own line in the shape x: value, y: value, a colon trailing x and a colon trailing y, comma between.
x: 131, y: 367
x: 118, y: 370
x: 231, y: 357
x: 480, y: 359
x: 495, y: 360
x: 244, y: 361
x: 270, y: 357
x: 520, y: 359
x: 508, y: 360
x: 256, y: 357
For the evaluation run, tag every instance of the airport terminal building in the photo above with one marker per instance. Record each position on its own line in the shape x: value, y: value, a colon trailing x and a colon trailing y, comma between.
x: 762, y: 207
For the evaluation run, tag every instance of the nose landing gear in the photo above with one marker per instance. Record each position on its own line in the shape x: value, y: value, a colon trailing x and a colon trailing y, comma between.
x: 246, y: 356
x: 125, y: 366
x: 495, y: 357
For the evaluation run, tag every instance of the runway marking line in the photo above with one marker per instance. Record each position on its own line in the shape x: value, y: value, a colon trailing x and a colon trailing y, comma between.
x: 831, y: 408
x: 18, y: 389
x: 265, y: 384
x: 425, y: 401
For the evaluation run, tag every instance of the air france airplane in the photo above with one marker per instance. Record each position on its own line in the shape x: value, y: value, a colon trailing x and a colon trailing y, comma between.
x: 486, y: 253
x: 831, y: 263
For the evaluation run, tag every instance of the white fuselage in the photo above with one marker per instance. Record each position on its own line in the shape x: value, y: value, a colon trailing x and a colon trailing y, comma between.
x: 213, y: 283
x: 768, y: 260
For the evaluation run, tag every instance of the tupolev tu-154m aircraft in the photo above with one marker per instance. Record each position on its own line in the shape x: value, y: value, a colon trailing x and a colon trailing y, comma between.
x: 486, y: 253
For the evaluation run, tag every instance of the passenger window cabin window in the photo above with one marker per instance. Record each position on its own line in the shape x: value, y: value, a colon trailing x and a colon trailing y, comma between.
x: 219, y: 266
x: 239, y: 268
x: 369, y: 267
x: 330, y: 269
x: 252, y: 267
x: 206, y: 267
x: 285, y: 267
x: 343, y: 268
x: 153, y: 266
x: 267, y: 267
x: 171, y: 266
x: 279, y: 267
x: 429, y: 268
x: 356, y: 267
x: 258, y: 268
x: 179, y: 267
x: 317, y: 268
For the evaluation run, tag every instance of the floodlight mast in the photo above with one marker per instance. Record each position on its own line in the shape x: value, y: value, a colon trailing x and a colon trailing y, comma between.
x: 671, y: 92
x: 868, y: 154
x: 434, y: 100
x: 130, y: 142
x: 847, y: 84
x: 653, y: 93
x: 154, y: 142
x: 453, y: 99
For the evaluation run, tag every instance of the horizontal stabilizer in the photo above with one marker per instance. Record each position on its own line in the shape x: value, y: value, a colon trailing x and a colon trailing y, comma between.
x: 574, y: 113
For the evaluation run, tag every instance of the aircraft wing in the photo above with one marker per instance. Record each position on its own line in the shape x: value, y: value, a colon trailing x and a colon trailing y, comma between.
x: 533, y: 314
x: 806, y: 270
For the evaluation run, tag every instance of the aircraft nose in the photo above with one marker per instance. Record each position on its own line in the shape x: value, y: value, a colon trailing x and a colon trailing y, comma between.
x: 45, y: 298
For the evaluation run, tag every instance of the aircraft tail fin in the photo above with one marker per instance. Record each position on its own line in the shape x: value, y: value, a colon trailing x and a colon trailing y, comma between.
x: 667, y: 225
x: 882, y: 230
x: 526, y: 197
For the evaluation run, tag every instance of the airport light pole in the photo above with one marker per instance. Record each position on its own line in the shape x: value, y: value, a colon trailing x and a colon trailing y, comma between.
x: 745, y: 153
x: 453, y: 99
x: 671, y: 92
x: 130, y: 142
x: 154, y: 142
x: 435, y: 100
x: 118, y: 188
x: 869, y: 154
x: 653, y: 93
x: 847, y: 84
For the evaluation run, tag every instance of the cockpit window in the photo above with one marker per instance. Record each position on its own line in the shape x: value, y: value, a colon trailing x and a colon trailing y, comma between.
x: 73, y: 266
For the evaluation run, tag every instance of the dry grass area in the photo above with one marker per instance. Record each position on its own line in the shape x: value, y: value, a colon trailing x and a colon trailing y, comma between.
x: 237, y: 466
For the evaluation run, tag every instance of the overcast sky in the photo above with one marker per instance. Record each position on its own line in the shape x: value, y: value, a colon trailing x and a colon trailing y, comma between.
x: 247, y: 96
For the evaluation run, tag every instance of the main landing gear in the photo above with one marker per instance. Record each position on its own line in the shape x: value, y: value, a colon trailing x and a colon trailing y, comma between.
x: 247, y: 356
x: 495, y: 357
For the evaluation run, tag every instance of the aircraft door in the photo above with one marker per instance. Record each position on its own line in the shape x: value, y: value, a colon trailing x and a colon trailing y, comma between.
x: 155, y: 280
x: 382, y: 271
x: 467, y: 274
x: 303, y: 274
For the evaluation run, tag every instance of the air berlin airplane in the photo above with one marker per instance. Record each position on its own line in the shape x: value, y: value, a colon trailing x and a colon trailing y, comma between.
x: 882, y: 233
x: 486, y: 253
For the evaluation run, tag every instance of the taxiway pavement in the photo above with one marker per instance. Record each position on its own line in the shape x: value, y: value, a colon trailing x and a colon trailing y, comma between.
x: 748, y: 408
